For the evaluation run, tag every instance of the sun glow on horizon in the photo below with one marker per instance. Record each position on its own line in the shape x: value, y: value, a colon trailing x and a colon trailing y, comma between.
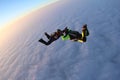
x: 9, y: 30
x: 23, y: 14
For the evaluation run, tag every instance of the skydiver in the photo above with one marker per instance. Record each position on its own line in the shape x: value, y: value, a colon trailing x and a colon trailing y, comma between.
x: 75, y: 35
x: 51, y: 38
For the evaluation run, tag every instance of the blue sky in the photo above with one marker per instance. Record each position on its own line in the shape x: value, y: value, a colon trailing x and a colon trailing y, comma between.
x: 11, y: 9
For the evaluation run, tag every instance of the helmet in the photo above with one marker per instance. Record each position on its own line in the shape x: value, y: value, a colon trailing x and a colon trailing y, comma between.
x: 85, y: 25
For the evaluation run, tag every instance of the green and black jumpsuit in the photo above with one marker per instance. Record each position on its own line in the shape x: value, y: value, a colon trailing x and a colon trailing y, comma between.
x: 75, y: 35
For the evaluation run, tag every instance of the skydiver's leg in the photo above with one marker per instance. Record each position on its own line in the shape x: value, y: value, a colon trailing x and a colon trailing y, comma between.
x: 46, y: 43
x: 42, y: 41
x: 47, y: 35
x: 49, y: 42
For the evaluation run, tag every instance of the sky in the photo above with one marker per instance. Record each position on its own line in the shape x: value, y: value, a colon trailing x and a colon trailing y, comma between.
x: 12, y: 9
x: 22, y: 57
